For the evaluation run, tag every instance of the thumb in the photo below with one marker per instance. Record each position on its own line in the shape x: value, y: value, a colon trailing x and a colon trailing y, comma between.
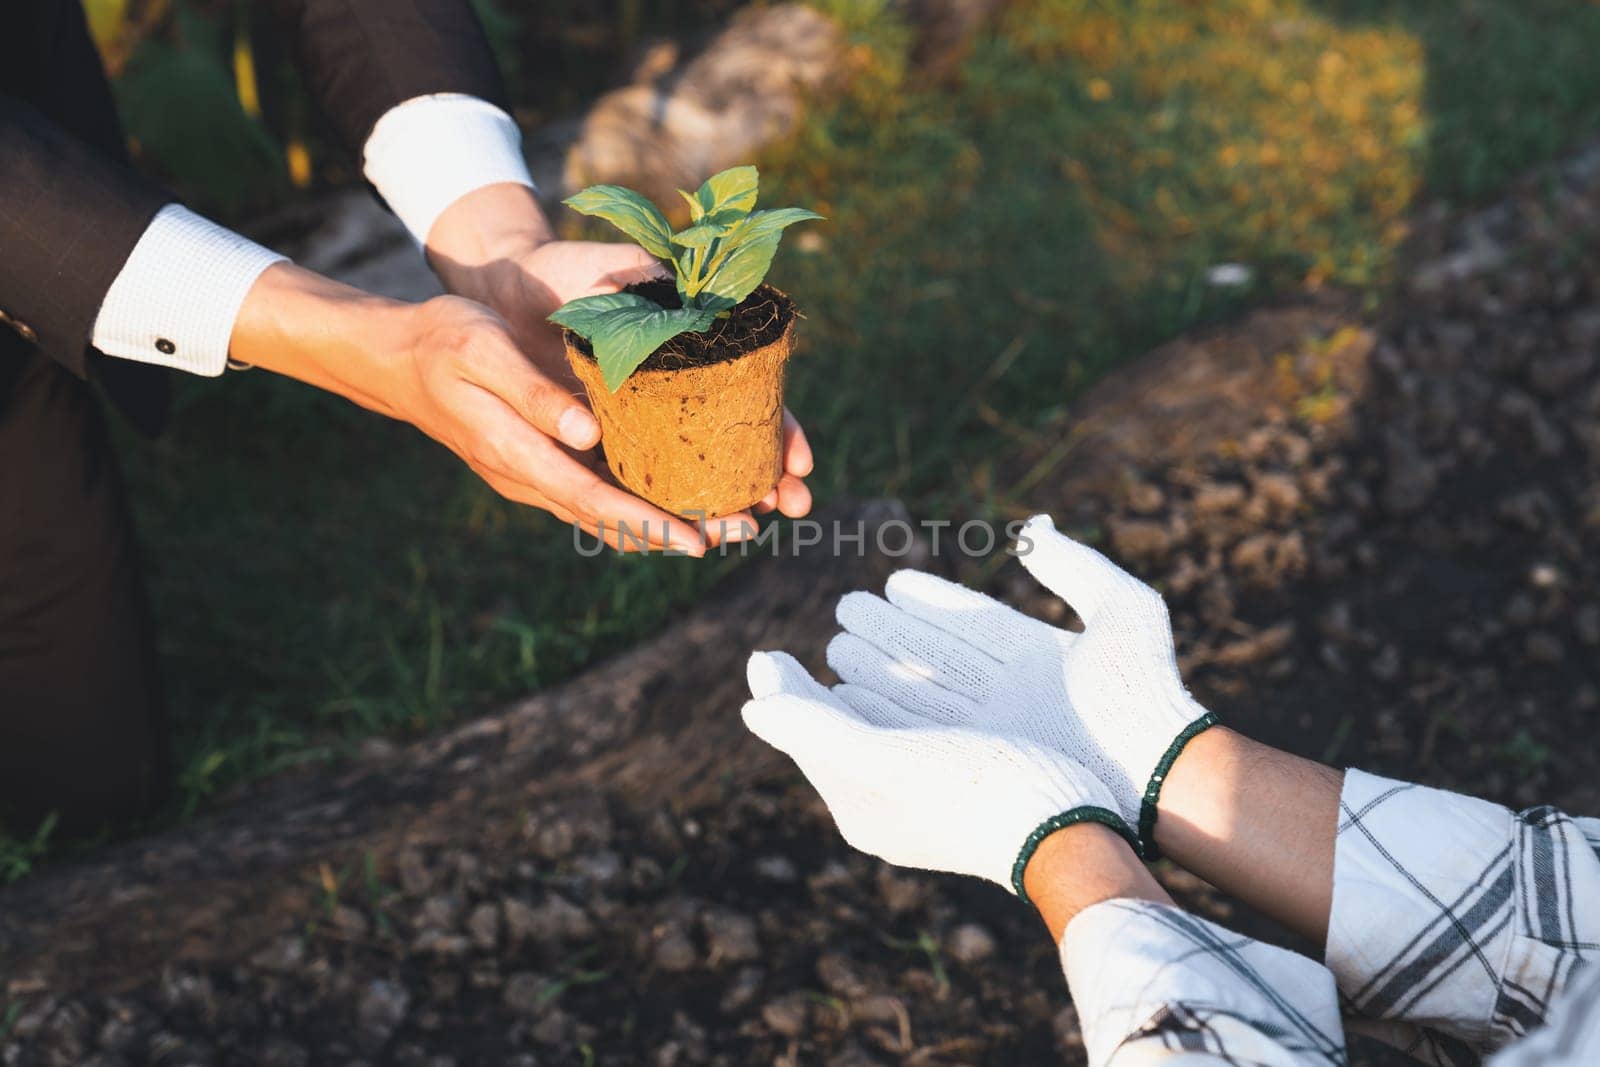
x: 771, y: 673
x: 501, y: 368
x: 1072, y: 571
x: 626, y: 264
x: 803, y: 729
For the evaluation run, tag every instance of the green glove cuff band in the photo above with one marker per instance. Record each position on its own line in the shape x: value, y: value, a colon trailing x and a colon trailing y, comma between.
x: 1152, y: 792
x: 1087, y: 813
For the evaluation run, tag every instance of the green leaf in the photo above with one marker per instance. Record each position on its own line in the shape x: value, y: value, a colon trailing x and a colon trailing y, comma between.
x: 708, y: 229
x: 741, y: 271
x: 759, y: 224
x: 696, y: 210
x: 624, y: 328
x: 581, y: 315
x: 628, y: 212
x: 732, y: 190
x: 753, y: 228
x: 683, y: 275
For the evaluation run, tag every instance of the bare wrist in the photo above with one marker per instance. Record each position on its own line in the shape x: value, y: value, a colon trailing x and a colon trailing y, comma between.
x: 1083, y: 865
x: 1256, y: 822
x: 487, y: 226
x: 325, y: 333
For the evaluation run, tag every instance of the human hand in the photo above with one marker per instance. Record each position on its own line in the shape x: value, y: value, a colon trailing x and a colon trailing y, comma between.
x: 1110, y: 698
x: 495, y: 247
x: 451, y: 368
x: 917, y: 792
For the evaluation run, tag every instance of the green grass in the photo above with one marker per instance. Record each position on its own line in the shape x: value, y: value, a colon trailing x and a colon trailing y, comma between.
x: 322, y: 575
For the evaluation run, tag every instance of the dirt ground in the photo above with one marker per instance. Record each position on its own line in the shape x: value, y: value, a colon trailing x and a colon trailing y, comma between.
x: 1377, y: 532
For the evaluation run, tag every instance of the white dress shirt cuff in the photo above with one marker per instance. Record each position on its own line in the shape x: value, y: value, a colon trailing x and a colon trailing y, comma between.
x: 176, y: 298
x: 427, y: 153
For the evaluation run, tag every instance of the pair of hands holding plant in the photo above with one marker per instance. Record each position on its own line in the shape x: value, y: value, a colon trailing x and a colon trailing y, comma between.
x: 964, y: 733
x: 481, y: 371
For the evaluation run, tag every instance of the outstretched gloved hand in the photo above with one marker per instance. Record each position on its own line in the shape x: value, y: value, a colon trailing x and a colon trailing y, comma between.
x: 916, y: 791
x: 1109, y: 698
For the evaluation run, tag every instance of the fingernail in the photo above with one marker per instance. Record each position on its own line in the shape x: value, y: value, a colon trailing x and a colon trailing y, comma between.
x: 677, y: 542
x: 577, y: 428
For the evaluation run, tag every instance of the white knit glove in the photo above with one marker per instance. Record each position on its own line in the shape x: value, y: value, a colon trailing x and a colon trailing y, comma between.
x: 1109, y: 698
x: 915, y: 792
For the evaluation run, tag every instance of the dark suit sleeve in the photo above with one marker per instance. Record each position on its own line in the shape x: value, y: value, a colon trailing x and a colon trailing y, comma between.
x: 362, y: 57
x: 69, y: 218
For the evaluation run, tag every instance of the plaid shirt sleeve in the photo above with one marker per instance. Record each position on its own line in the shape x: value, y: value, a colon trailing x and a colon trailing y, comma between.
x: 1154, y: 984
x: 1456, y: 923
x: 1571, y: 1034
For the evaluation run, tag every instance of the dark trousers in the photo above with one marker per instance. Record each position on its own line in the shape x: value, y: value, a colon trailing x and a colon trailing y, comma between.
x: 82, y: 727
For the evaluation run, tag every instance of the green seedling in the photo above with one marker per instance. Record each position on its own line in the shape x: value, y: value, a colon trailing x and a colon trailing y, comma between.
x: 720, y: 258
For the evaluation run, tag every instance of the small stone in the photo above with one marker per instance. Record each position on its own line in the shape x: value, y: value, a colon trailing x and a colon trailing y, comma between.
x: 1139, y: 539
x: 1588, y: 624
x: 1544, y: 647
x: 1146, y: 499
x: 285, y: 954
x: 1263, y: 645
x: 780, y: 869
x: 840, y: 975
x: 555, y: 1028
x: 415, y: 877
x: 1278, y: 494
x: 351, y: 922
x: 381, y: 1010
x: 68, y: 1032
x: 557, y: 831
x: 1521, y: 610
x: 1254, y: 554
x: 483, y: 926
x: 900, y: 893
x: 122, y: 1027
x: 281, y: 1052
x: 786, y: 1016
x: 601, y: 869
x: 743, y: 990
x: 879, y: 1010
x: 1386, y: 664
x: 674, y: 951
x: 442, y: 912
x: 1554, y: 376
x: 438, y: 943
x: 194, y: 992
x: 1528, y: 509
x: 644, y: 873
x: 1409, y: 479
x: 556, y: 919
x: 1215, y: 498
x: 730, y: 938
x: 1544, y: 576
x: 969, y: 943
x: 524, y: 993
x: 853, y: 1055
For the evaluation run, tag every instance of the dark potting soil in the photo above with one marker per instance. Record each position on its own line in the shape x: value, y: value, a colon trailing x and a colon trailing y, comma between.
x: 757, y: 322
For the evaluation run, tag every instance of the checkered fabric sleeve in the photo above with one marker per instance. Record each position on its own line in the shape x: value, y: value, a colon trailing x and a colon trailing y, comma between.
x: 1457, y: 923
x: 1156, y: 985
x: 1571, y: 1034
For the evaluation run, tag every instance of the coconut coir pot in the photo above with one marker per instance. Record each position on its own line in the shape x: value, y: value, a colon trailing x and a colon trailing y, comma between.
x: 697, y: 429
